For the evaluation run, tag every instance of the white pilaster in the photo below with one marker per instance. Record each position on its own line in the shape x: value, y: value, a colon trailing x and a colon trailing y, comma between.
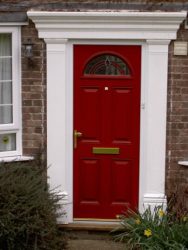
x: 156, y: 108
x: 56, y: 115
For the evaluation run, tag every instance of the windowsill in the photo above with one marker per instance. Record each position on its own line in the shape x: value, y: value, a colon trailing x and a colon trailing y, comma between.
x: 16, y: 158
x: 183, y: 163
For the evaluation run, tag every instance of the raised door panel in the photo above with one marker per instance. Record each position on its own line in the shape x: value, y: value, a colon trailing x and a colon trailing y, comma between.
x: 89, y: 113
x: 89, y: 181
x: 121, y: 182
x: 121, y: 115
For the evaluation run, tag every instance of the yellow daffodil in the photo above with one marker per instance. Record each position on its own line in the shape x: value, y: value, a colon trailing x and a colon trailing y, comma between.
x: 161, y: 213
x: 148, y: 232
x: 137, y: 221
x: 185, y: 218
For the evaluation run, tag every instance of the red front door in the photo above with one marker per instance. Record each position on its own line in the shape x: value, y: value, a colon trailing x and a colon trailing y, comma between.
x: 107, y: 125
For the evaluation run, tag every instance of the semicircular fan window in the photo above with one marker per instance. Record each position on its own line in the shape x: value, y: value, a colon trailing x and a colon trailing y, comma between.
x: 107, y: 64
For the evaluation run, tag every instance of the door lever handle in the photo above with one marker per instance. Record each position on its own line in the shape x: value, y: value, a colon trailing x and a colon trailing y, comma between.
x: 76, y: 136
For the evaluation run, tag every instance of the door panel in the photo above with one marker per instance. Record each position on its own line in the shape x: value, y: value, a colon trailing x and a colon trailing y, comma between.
x: 121, y: 115
x: 121, y: 182
x: 107, y: 113
x: 90, y: 170
x: 90, y: 100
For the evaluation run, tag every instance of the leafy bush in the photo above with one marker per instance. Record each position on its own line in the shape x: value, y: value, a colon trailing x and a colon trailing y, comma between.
x: 28, y: 210
x: 177, y: 199
x: 153, y: 230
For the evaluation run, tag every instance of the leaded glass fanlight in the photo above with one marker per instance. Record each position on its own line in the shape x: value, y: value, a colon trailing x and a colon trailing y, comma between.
x: 107, y: 64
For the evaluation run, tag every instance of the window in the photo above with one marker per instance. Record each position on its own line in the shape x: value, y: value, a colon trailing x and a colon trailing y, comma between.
x: 10, y: 99
x: 107, y: 64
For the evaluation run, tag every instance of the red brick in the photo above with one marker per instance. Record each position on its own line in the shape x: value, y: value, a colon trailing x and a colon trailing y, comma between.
x: 34, y: 93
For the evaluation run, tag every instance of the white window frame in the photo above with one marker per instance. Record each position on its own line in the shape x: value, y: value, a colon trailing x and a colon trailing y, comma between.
x: 16, y: 126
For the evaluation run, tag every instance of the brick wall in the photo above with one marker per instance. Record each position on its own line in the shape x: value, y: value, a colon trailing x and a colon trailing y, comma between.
x: 34, y: 93
x: 149, y: 5
x: 177, y: 118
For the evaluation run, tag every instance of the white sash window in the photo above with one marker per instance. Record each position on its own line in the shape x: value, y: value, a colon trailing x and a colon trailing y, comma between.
x: 10, y: 92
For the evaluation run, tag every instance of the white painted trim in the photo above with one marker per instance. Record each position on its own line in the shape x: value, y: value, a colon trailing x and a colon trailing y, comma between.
x: 152, y: 30
x: 16, y: 126
x: 16, y: 158
x: 183, y: 163
x: 13, y: 24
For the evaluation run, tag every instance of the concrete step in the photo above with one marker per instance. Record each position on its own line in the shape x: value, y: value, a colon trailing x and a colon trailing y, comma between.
x: 92, y: 240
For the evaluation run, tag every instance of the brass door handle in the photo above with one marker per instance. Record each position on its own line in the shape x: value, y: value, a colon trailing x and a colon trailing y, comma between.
x: 76, y: 135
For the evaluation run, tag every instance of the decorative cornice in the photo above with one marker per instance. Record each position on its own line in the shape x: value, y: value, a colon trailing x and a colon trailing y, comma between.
x: 56, y: 41
x: 101, y: 25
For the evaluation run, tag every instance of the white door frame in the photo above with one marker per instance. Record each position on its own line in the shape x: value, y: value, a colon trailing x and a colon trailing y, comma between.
x: 153, y: 31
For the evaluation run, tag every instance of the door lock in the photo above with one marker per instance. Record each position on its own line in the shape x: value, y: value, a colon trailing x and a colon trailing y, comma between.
x: 76, y: 136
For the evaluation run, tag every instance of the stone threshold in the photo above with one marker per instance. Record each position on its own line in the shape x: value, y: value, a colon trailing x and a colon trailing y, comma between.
x: 91, y: 226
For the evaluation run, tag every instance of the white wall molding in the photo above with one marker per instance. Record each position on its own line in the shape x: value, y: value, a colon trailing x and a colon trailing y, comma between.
x: 152, y: 200
x: 153, y: 31
x: 92, y: 25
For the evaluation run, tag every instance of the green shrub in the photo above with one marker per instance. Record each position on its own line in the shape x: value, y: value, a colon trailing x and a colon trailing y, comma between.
x: 153, y: 230
x: 28, y: 210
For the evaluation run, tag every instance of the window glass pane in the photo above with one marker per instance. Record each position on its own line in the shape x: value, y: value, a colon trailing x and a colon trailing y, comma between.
x: 6, y: 114
x: 5, y: 45
x: 107, y: 65
x: 7, y: 142
x: 5, y: 92
x: 5, y: 69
